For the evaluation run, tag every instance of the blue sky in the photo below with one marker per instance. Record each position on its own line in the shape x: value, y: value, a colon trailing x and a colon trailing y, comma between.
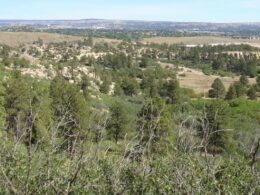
x: 159, y: 10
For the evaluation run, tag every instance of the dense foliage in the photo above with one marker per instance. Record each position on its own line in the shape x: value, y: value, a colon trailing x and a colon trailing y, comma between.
x: 119, y: 123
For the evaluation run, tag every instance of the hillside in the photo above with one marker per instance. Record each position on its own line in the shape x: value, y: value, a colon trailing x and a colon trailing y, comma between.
x: 86, y: 115
x: 14, y: 39
x: 202, y: 40
x: 130, y: 97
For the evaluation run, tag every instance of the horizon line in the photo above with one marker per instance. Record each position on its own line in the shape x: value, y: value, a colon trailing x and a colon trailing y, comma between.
x: 135, y: 20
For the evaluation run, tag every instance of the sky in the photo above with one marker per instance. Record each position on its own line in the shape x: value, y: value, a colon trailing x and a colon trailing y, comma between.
x: 155, y: 10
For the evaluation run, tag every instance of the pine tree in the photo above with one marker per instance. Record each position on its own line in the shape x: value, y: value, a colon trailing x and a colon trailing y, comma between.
x: 130, y: 86
x: 105, y: 86
x: 244, y: 80
x: 153, y: 90
x: 218, y: 63
x: 118, y: 121
x: 212, y: 130
x: 118, y: 91
x: 27, y: 110
x: 240, y: 89
x: 173, y: 91
x: 70, y: 111
x: 257, y: 85
x: 150, y: 86
x: 85, y: 87
x: 252, y: 93
x: 2, y: 109
x: 231, y: 93
x: 145, y: 62
x: 89, y: 42
x: 218, y: 89
x: 196, y: 57
x: 153, y: 121
x: 258, y: 79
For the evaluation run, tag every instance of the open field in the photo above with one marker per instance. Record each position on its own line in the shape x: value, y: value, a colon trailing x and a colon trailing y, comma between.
x: 15, y: 39
x: 201, y: 40
x: 198, y: 81
x: 201, y: 83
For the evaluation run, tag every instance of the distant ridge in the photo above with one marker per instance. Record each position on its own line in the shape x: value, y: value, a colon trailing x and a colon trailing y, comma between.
x: 132, y: 25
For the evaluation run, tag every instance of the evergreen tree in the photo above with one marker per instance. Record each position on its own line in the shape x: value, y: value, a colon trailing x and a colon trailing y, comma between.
x: 118, y: 91
x: 150, y: 86
x: 196, y: 57
x: 218, y: 89
x: 118, y: 121
x: 231, y: 93
x: 5, y: 51
x: 153, y: 89
x: 173, y: 91
x: 85, y: 87
x: 242, y: 67
x: 244, y: 80
x: 130, y: 86
x: 257, y: 86
x: 216, y: 139
x: 105, y: 86
x: 153, y: 121
x: 218, y: 63
x: 252, y: 93
x: 251, y: 70
x: 258, y: 79
x: 89, y: 42
x: 2, y: 101
x: 70, y: 110
x: 145, y: 62
x: 240, y: 89
x: 27, y: 110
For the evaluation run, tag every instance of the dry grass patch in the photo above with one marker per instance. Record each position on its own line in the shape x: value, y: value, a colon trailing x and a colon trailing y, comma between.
x: 201, y: 40
x: 15, y: 39
x: 198, y: 81
x: 201, y: 83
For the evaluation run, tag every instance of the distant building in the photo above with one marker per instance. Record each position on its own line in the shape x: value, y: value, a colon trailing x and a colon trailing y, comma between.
x: 192, y: 46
